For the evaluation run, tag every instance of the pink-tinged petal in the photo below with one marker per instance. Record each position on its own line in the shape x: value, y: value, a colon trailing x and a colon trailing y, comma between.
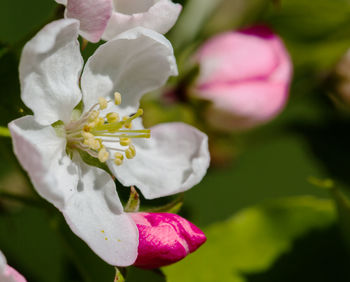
x: 7, y: 273
x: 42, y: 154
x: 173, y: 160
x: 12, y: 275
x: 49, y: 72
x: 246, y: 75
x: 165, y: 238
x: 159, y: 16
x: 93, y: 16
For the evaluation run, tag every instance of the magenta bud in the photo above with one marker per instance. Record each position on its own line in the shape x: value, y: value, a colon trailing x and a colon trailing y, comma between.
x: 165, y: 238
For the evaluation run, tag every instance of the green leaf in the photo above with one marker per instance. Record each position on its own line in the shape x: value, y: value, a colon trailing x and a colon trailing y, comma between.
x: 20, y: 18
x: 253, y: 239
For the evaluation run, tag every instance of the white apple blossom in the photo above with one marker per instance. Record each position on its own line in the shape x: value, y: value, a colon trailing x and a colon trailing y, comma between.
x: 108, y: 18
x: 94, y: 117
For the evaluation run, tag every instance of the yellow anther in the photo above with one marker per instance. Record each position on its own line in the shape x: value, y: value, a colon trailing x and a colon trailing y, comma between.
x: 87, y: 135
x: 118, y: 158
x: 86, y: 128
x: 129, y: 154
x: 125, y: 141
x: 103, y: 155
x: 132, y: 149
x: 103, y: 103
x: 95, y: 144
x: 100, y: 121
x: 94, y: 115
x: 117, y: 98
x: 139, y: 112
x: 112, y: 117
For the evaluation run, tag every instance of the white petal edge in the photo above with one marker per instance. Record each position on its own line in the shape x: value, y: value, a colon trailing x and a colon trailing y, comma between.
x: 133, y: 63
x: 96, y: 215
x: 161, y: 17
x: 2, y: 262
x: 173, y: 160
x: 49, y: 71
x: 42, y: 155
x: 63, y: 2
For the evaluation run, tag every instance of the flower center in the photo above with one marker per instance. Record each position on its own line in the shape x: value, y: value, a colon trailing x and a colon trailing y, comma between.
x: 105, y: 137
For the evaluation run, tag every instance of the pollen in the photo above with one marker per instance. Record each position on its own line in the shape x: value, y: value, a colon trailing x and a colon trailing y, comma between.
x: 105, y: 136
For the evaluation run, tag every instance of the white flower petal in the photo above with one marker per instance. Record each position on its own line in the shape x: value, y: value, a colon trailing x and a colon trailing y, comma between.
x: 134, y: 63
x: 42, y: 154
x: 96, y: 215
x: 63, y: 2
x: 2, y: 262
x: 174, y: 159
x: 49, y: 70
x: 156, y: 15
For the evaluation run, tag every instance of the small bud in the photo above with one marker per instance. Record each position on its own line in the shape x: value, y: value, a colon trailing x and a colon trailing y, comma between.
x: 165, y: 238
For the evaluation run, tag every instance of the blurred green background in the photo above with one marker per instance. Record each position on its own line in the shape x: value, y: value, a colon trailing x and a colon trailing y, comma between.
x: 265, y: 219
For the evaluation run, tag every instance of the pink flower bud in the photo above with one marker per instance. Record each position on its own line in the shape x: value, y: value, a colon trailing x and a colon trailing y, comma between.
x: 246, y: 75
x: 165, y: 238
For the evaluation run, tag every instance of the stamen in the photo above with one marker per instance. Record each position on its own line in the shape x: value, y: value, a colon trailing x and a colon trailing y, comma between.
x: 103, y: 103
x: 103, y: 155
x: 118, y: 158
x: 117, y: 98
x: 91, y: 131
x: 112, y: 117
x: 124, y: 141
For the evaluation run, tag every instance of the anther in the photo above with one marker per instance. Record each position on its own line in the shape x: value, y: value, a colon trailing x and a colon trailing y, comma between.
x: 125, y: 141
x: 103, y: 103
x: 117, y: 98
x: 94, y: 115
x: 112, y: 117
x: 118, y: 158
x: 103, y: 155
x: 130, y: 153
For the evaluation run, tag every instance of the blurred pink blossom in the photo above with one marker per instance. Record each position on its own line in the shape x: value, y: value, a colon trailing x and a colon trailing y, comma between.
x: 165, y: 238
x: 246, y: 75
x: 7, y: 273
x: 107, y: 18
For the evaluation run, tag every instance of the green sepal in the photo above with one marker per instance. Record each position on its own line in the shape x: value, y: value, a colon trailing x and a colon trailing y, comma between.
x: 133, y: 204
x: 173, y: 207
x: 120, y: 274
